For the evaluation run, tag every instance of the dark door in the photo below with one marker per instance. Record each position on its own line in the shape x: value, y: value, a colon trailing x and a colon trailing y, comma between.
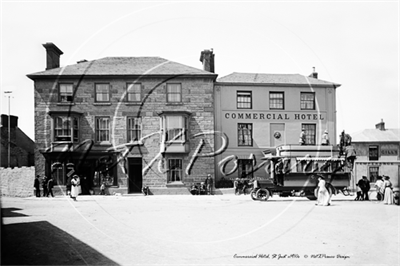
x: 135, y: 175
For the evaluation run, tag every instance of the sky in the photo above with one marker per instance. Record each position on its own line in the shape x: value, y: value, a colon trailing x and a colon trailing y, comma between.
x: 353, y: 43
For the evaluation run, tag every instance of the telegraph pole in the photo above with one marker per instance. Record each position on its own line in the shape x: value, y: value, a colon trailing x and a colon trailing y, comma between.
x: 9, y: 129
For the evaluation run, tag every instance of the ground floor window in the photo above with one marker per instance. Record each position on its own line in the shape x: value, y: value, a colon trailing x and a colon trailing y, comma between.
x: 245, y: 168
x: 174, y: 170
x: 310, y: 130
x: 373, y: 173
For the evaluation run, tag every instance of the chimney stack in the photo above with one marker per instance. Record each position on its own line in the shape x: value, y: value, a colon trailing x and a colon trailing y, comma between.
x: 381, y: 125
x: 53, y: 55
x: 314, y: 74
x: 207, y: 58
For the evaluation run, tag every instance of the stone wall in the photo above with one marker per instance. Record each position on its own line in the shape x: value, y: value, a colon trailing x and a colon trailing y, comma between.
x: 17, y: 182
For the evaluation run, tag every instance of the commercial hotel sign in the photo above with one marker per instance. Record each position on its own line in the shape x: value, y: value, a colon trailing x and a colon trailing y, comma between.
x: 275, y: 116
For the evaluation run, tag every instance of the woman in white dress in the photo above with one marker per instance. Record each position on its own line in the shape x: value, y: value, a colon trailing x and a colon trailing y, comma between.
x: 74, y: 187
x: 323, y: 193
x: 387, y: 191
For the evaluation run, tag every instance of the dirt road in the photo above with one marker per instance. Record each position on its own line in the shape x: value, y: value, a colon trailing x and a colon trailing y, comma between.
x: 198, y: 230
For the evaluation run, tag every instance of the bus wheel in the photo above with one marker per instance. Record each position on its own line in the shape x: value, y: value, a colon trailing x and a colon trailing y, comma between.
x: 262, y: 194
x: 253, y: 194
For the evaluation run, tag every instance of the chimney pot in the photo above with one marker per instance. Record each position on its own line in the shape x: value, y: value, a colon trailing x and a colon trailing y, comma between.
x: 207, y: 58
x: 381, y: 125
x: 52, y: 55
x: 314, y: 74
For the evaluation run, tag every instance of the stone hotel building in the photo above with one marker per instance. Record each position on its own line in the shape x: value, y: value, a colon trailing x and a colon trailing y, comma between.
x: 128, y: 121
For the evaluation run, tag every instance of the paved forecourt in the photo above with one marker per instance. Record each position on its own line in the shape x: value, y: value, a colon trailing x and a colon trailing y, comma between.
x: 198, y: 230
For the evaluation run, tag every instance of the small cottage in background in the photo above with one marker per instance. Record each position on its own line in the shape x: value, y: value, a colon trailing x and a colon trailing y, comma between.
x: 377, y: 154
x: 22, y: 148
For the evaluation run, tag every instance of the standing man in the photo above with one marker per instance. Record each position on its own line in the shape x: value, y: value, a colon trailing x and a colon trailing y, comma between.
x: 325, y: 138
x: 366, y: 189
x: 44, y: 186
x: 350, y: 154
x: 302, y: 139
x: 36, y: 185
x: 50, y: 185
x: 208, y: 182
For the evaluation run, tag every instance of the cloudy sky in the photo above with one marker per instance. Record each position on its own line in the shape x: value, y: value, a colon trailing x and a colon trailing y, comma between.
x: 353, y: 43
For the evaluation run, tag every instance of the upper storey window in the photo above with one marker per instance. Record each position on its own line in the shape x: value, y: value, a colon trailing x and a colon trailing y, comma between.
x: 102, y: 92
x: 244, y: 99
x: 134, y: 92
x: 276, y: 100
x: 307, y: 101
x: 174, y: 93
x: 65, y: 93
x: 66, y: 128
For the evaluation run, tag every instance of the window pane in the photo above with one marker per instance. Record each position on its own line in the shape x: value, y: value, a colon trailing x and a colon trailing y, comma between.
x: 276, y: 100
x: 310, y: 130
x: 66, y: 92
x: 244, y: 100
x: 102, y: 93
x: 373, y: 153
x: 134, y: 128
x: 174, y: 170
x: 174, y: 92
x: 307, y: 101
x: 102, y: 129
x: 134, y: 92
x: 245, y: 134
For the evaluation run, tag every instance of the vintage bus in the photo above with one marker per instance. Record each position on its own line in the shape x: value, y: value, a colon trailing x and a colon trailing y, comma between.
x: 294, y: 171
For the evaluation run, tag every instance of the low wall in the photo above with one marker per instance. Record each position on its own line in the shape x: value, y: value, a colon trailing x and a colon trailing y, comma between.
x: 17, y: 182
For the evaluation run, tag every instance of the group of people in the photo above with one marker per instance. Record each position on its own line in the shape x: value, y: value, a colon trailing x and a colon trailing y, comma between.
x: 46, y: 183
x: 383, y: 187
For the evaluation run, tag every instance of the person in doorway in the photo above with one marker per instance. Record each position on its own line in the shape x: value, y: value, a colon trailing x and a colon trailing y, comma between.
x: 378, y: 188
x: 388, y: 192
x: 36, y: 185
x: 302, y: 139
x: 366, y: 188
x: 74, y: 187
x: 50, y: 185
x: 325, y: 138
x: 44, y: 186
x: 323, y: 193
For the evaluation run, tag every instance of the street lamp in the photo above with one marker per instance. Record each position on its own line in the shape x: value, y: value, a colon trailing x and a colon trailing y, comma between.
x: 9, y: 128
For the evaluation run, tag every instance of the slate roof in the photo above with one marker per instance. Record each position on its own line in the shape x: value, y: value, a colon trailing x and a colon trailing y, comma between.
x: 376, y: 135
x: 273, y: 79
x: 121, y: 66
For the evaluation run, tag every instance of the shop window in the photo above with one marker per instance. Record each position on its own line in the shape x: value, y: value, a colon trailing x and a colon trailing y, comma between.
x: 307, y: 101
x: 102, y: 129
x: 373, y: 173
x: 66, y: 93
x: 134, y: 128
x: 277, y: 100
x: 134, y: 92
x: 174, y: 93
x: 245, y: 168
x: 66, y: 128
x: 102, y: 92
x: 245, y: 134
x: 244, y: 99
x: 310, y: 130
x: 373, y: 153
x: 174, y: 170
